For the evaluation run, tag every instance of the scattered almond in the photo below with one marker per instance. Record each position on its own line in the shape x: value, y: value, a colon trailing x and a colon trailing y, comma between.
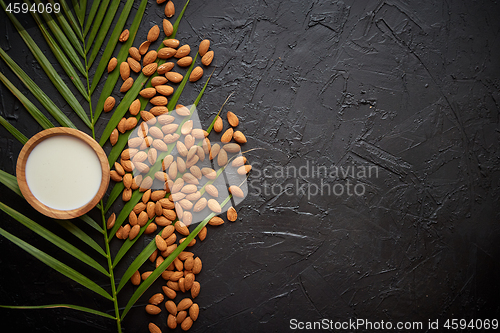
x: 232, y: 119
x: 182, y: 51
x: 236, y: 191
x: 109, y: 104
x: 150, y: 69
x: 143, y: 48
x: 124, y: 70
x: 152, y: 309
x: 124, y: 36
x: 153, y: 34
x: 184, y: 62
x: 174, y: 77
x: 173, y: 43
x: 149, y: 58
x: 127, y: 84
x: 166, y: 67
x: 218, y: 125
x: 113, y: 138
x: 207, y: 58
x: 203, y: 48
x: 239, y: 137
x: 113, y: 62
x: 169, y: 9
x: 134, y: 53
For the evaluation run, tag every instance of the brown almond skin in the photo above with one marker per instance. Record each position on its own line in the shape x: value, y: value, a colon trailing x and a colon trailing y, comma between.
x: 153, y: 34
x: 135, y: 107
x: 197, y: 265
x: 151, y: 228
x: 188, y: 281
x: 153, y: 328
x: 149, y: 58
x: 143, y: 48
x: 166, y: 67
x: 126, y: 231
x: 185, y: 61
x: 115, y: 176
x: 181, y: 316
x: 196, y: 74
x: 127, y: 194
x: 109, y: 104
x: 150, y: 69
x: 203, y: 48
x: 203, y: 234
x: 194, y: 311
x: 113, y: 62
x: 239, y: 137
x: 166, y: 52
x: 207, y: 58
x: 170, y: 293
x: 147, y: 93
x: 187, y: 323
x: 127, y: 84
x: 168, y: 28
x: 134, y: 53
x: 136, y: 278
x: 218, y: 126
x: 173, y: 285
x: 236, y: 191
x: 134, y: 232
x: 216, y: 221
x: 227, y: 136
x: 173, y: 43
x: 113, y: 138
x: 171, y: 321
x: 174, y: 77
x: 183, y: 51
x: 130, y: 123
x: 152, y: 309
x: 195, y: 289
x: 184, y: 304
x: 232, y: 119
x: 156, y: 299
x: 171, y: 307
x: 121, y: 125
x: 124, y: 70
x: 160, y: 243
x: 111, y: 221
x: 232, y: 215
x: 169, y: 9
x: 243, y: 170
x: 134, y: 65
x: 158, y: 80
x: 124, y: 36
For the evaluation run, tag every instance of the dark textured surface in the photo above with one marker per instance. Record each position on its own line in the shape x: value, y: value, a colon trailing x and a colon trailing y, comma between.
x: 409, y: 87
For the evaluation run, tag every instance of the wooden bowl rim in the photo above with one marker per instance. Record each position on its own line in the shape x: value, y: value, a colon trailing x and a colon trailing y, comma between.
x: 21, y: 175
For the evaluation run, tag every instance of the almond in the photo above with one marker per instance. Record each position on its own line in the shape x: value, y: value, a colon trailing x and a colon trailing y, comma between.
x: 195, y: 289
x: 232, y: 215
x: 236, y: 191
x: 239, y: 161
x: 171, y: 321
x: 174, y: 77
x: 158, y: 110
x: 200, y: 205
x: 187, y: 127
x: 189, y: 278
x: 150, y: 69
x: 181, y: 316
x: 169, y: 9
x: 134, y: 64
x: 153, y: 328
x: 124, y: 36
x: 134, y: 53
x: 243, y: 170
x: 239, y: 137
x: 134, y: 232
x: 222, y: 158
x: 147, y: 93
x: 183, y: 51
x: 168, y: 28
x: 111, y: 221
x: 232, y: 147
x: 112, y: 64
x: 184, y: 304
x: 129, y: 153
x: 164, y: 90
x: 160, y: 243
x: 197, y: 265
x: 207, y: 58
x: 214, y: 151
x: 194, y: 311
x: 149, y: 58
x: 143, y: 48
x: 173, y: 43
x: 181, y: 228
x: 209, y: 173
x: 121, y: 126
x: 152, y: 155
x: 196, y: 74
x: 171, y: 307
x: 215, y: 220
x: 158, y: 80
x: 166, y: 53
x: 152, y: 309
x: 127, y: 180
x: 181, y: 148
x: 127, y: 84
x: 127, y: 194
x: 146, y: 184
x: 124, y: 70
x: 227, y: 136
x: 156, y: 133
x: 203, y: 48
x: 136, y: 181
x: 136, y: 278
x: 113, y: 138
x: 198, y: 133
x: 232, y: 119
x: 182, y: 111
x: 153, y: 34
x: 169, y: 292
x: 187, y: 324
x: 184, y: 62
x: 126, y: 231
x: 109, y: 104
x: 212, y: 190
x: 130, y: 123
x: 214, y: 206
x: 135, y: 107
x: 218, y: 125
x: 166, y: 67
x: 203, y: 234
x: 166, y: 119
x: 159, y: 100
x: 127, y: 165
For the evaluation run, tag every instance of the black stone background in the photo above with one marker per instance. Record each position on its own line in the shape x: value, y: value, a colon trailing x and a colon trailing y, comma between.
x: 409, y: 86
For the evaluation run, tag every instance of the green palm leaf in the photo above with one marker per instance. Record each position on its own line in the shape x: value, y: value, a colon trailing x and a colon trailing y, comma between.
x: 54, y: 239
x: 56, y: 264
x: 69, y: 14
x: 70, y: 33
x: 55, y: 306
x: 90, y: 18
x: 103, y: 31
x: 10, y: 181
x: 14, y: 131
x: 97, y: 24
x: 82, y: 236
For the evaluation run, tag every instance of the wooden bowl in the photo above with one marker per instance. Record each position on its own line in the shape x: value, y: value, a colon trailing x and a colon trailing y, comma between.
x: 60, y: 213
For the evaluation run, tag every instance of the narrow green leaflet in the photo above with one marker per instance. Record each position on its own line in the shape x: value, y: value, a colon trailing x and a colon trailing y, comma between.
x: 72, y: 21
x: 97, y: 24
x: 127, y: 208
x: 163, y: 266
x: 30, y: 107
x: 14, y: 131
x: 56, y: 264
x: 115, y: 193
x: 49, y: 70
x: 10, y: 181
x: 87, y: 219
x: 128, y: 244
x: 54, y: 306
x: 82, y: 11
x: 70, y: 33
x: 90, y: 17
x: 64, y: 43
x: 54, y: 239
x: 81, y: 235
x: 122, y: 54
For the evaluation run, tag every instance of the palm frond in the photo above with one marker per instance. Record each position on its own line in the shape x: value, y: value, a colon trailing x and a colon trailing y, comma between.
x: 97, y: 24
x: 55, y: 306
x: 90, y: 18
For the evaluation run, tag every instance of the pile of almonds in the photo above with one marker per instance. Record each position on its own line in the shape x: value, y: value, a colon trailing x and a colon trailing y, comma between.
x: 175, y: 189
